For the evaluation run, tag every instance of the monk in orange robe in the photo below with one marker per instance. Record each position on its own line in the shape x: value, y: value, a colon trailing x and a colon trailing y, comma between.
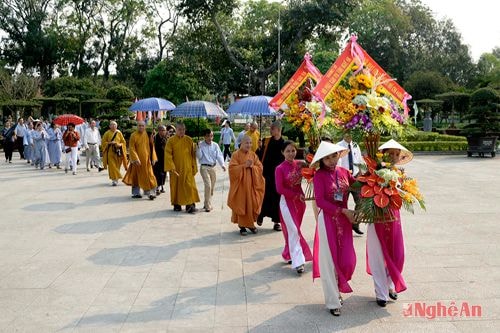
x: 246, y: 187
x: 142, y: 158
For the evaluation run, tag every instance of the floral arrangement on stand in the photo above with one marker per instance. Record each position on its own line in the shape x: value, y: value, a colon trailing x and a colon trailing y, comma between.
x: 360, y: 104
x: 304, y: 114
x: 384, y: 187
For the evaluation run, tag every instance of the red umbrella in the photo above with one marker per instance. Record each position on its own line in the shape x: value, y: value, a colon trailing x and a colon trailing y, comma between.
x: 65, y: 119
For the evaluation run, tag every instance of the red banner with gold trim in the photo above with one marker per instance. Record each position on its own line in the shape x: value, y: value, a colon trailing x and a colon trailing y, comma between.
x: 305, y: 71
x: 352, y: 54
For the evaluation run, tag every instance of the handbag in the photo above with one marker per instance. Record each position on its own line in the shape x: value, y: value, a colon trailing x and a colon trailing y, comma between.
x: 117, y: 150
x: 67, y: 150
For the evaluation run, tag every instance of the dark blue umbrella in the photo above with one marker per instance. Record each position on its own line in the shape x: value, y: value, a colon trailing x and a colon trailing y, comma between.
x: 198, y: 109
x: 253, y: 105
x: 152, y: 104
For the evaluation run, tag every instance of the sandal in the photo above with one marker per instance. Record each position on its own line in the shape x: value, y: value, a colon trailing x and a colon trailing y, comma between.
x: 335, y: 312
x: 277, y: 227
x: 300, y: 269
x: 393, y: 295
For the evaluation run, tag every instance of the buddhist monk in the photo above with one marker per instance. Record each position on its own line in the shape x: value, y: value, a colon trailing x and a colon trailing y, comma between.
x: 142, y: 158
x: 113, y: 152
x: 180, y: 163
x: 246, y: 187
x: 254, y: 134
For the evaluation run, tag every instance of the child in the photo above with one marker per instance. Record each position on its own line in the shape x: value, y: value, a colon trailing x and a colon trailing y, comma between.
x: 292, y: 207
x: 334, y: 258
x: 384, y: 241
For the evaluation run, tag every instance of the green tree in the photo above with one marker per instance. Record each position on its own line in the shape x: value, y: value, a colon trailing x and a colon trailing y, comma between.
x: 251, y: 41
x: 174, y: 81
x: 61, y: 85
x: 484, y: 113
x: 31, y: 38
x: 403, y: 37
x: 427, y: 84
x: 489, y: 69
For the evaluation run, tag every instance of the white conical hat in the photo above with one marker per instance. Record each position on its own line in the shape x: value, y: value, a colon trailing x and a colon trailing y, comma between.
x: 327, y: 148
x: 405, y: 155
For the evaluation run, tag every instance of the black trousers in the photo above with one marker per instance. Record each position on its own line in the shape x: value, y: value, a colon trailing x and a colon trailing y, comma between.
x: 20, y: 146
x: 8, y: 148
x: 227, y: 152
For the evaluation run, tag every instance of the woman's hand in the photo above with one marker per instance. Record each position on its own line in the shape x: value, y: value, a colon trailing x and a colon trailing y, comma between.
x: 350, y: 214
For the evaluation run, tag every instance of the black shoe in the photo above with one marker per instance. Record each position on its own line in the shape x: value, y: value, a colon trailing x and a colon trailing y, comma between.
x: 253, y: 230
x: 356, y: 229
x: 191, y: 209
x: 243, y: 231
x: 277, y: 227
x: 136, y: 196
x: 177, y: 208
x: 289, y: 262
x: 393, y: 295
x: 381, y: 303
x: 162, y: 190
x: 335, y: 312
x: 300, y: 269
x: 157, y: 192
x: 100, y: 169
x: 259, y: 221
x: 151, y: 197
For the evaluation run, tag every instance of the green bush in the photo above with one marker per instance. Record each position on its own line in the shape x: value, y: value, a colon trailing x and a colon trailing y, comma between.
x: 432, y: 145
x: 436, y: 145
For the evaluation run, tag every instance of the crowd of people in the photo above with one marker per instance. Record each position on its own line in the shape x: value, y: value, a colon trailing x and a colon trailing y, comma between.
x: 264, y: 181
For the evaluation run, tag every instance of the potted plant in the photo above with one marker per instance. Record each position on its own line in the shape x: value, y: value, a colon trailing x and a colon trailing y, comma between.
x: 483, y: 131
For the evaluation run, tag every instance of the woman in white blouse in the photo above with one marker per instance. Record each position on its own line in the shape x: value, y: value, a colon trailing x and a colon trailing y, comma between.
x: 226, y: 135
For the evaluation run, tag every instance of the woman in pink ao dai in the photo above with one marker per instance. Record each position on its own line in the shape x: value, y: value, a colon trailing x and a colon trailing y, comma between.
x: 292, y: 207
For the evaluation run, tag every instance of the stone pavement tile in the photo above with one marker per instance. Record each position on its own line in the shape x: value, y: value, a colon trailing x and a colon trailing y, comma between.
x: 13, y: 303
x: 483, y: 326
x: 192, y: 316
x: 34, y: 274
x: 198, y: 279
x: 204, y: 296
x: 230, y: 264
x: 457, y: 290
x: 230, y: 329
x: 115, y: 296
x: 433, y: 274
x: 188, y: 329
x: 155, y: 318
x: 49, y: 316
x: 489, y: 275
x: 156, y: 296
x: 132, y: 281
x: 231, y: 292
x: 104, y: 318
x: 231, y: 315
x: 460, y: 260
x: 202, y: 264
x: 169, y: 278
x: 423, y: 327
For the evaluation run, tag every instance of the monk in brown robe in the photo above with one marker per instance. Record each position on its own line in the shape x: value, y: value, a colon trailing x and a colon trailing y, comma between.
x: 246, y: 187
x: 142, y: 158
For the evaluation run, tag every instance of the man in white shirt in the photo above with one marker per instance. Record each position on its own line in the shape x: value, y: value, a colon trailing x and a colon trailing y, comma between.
x: 20, y: 131
x: 209, y: 154
x: 241, y: 135
x: 351, y: 162
x: 91, y: 143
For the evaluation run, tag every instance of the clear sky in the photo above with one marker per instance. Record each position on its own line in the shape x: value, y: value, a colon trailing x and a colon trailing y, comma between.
x: 478, y: 21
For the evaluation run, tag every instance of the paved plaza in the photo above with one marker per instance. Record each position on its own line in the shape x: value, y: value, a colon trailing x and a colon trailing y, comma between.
x: 78, y: 255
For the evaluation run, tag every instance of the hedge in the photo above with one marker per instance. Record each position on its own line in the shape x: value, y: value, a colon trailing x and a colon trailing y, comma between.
x: 433, y: 145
